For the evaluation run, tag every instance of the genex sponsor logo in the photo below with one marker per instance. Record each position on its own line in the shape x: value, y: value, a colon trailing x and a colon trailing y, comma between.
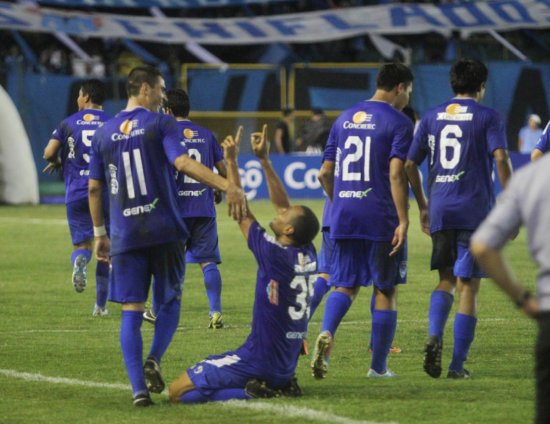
x: 88, y: 119
x: 360, y: 121
x: 141, y: 209
x: 354, y: 194
x: 191, y: 193
x: 127, y: 130
x: 449, y: 178
x: 455, y: 112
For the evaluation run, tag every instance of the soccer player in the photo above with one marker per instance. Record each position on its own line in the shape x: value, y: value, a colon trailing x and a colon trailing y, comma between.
x: 363, y: 174
x: 287, y: 265
x: 197, y: 204
x: 69, y: 149
x: 543, y: 144
x: 461, y: 138
x: 134, y: 155
x: 525, y: 201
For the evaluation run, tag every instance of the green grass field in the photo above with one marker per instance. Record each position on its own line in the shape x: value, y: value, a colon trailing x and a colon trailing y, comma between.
x: 60, y: 365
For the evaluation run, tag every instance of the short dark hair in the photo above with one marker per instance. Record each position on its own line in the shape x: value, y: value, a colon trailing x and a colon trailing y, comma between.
x: 306, y: 227
x: 467, y: 75
x: 317, y: 111
x: 392, y: 74
x: 178, y: 102
x: 95, y: 89
x: 139, y: 75
x: 287, y: 111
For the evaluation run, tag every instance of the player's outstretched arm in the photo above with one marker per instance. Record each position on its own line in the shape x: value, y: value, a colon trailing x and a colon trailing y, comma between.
x: 231, y: 152
x: 50, y: 154
x: 413, y: 174
x: 277, y: 192
x: 504, y: 166
x: 400, y: 194
x: 102, y: 242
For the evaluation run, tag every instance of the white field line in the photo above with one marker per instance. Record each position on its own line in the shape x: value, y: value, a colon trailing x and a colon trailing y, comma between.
x: 40, y: 221
x: 287, y: 411
x: 184, y: 328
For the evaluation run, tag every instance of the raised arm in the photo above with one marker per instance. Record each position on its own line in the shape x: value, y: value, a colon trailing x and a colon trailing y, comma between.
x: 414, y: 176
x: 400, y: 194
x: 231, y: 152
x: 504, y: 166
x: 277, y: 192
x: 102, y: 242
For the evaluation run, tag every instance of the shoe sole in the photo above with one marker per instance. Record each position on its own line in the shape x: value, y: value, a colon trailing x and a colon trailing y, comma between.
x: 319, y: 367
x: 217, y: 323
x: 153, y: 379
x: 432, y: 357
x: 79, y: 274
x: 143, y: 402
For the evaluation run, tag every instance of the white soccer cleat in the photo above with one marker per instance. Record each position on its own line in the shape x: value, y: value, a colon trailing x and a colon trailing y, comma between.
x: 99, y: 312
x: 373, y: 374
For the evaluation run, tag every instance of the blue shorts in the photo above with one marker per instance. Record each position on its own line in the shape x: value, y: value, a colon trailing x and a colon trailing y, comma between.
x: 132, y: 272
x: 359, y: 262
x: 325, y: 256
x: 228, y: 371
x: 202, y: 245
x: 80, y: 220
x: 451, y: 249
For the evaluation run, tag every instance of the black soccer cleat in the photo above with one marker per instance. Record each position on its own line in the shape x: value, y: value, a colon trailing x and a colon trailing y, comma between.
x: 291, y: 389
x: 463, y: 373
x: 432, y: 357
x: 143, y: 400
x: 259, y: 389
x: 150, y: 316
x: 153, y: 377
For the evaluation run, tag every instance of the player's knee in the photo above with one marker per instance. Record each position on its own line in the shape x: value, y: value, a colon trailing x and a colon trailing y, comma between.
x: 179, y: 386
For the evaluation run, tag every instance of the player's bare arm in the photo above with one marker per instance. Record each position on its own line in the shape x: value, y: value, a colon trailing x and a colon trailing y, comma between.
x: 326, y: 177
x: 535, y: 154
x: 504, y: 166
x: 222, y: 170
x: 102, y: 242
x: 231, y: 152
x: 236, y: 199
x: 50, y: 154
x: 277, y: 192
x: 413, y: 174
x: 400, y: 193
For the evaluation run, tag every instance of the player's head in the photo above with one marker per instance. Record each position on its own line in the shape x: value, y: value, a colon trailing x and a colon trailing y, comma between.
x: 147, y: 83
x: 534, y: 121
x: 468, y: 77
x: 396, y: 77
x: 177, y: 103
x: 298, y: 223
x: 287, y: 111
x: 92, y: 92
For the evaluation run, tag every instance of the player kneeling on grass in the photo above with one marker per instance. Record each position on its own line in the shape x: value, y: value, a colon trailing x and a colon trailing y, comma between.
x: 287, y: 264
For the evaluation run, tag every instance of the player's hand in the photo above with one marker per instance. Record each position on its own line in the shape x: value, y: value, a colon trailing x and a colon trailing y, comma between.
x: 399, y: 238
x: 531, y: 307
x: 425, y: 221
x: 218, y: 197
x: 52, y: 167
x: 260, y: 143
x: 236, y: 202
x: 231, y: 146
x: 102, y: 249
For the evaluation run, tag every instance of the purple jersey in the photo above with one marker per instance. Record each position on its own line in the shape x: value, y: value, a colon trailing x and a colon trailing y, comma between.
x: 544, y: 141
x: 284, y: 286
x: 75, y: 134
x: 133, y: 154
x: 197, y: 199
x: 459, y: 137
x: 362, y: 142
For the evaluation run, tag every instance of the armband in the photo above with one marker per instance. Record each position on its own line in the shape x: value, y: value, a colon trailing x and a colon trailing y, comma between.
x: 100, y: 231
x: 524, y: 297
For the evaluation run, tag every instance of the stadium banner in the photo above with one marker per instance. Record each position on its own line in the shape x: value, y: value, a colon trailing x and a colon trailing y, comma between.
x: 304, y: 27
x: 164, y: 4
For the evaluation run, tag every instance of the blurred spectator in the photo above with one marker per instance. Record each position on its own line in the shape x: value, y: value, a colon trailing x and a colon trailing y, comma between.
x: 314, y: 134
x: 282, y: 134
x: 529, y: 135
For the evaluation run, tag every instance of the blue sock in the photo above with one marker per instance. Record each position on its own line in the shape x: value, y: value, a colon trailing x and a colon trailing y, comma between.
x: 213, y: 286
x: 372, y: 300
x: 78, y: 252
x: 320, y: 288
x: 383, y: 331
x: 228, y: 394
x: 165, y: 326
x: 194, y: 396
x: 101, y: 283
x: 465, y: 328
x: 132, y: 349
x: 155, y: 307
x: 441, y: 303
x: 336, y: 306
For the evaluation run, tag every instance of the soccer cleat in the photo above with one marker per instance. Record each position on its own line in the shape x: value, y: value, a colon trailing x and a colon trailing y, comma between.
x: 149, y: 316
x: 373, y: 374
x: 79, y: 273
x: 153, y: 377
x: 216, y: 321
x: 432, y: 357
x: 291, y: 389
x: 463, y: 373
x: 143, y: 400
x: 321, y: 354
x: 100, y: 312
x: 393, y: 349
x: 259, y: 389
